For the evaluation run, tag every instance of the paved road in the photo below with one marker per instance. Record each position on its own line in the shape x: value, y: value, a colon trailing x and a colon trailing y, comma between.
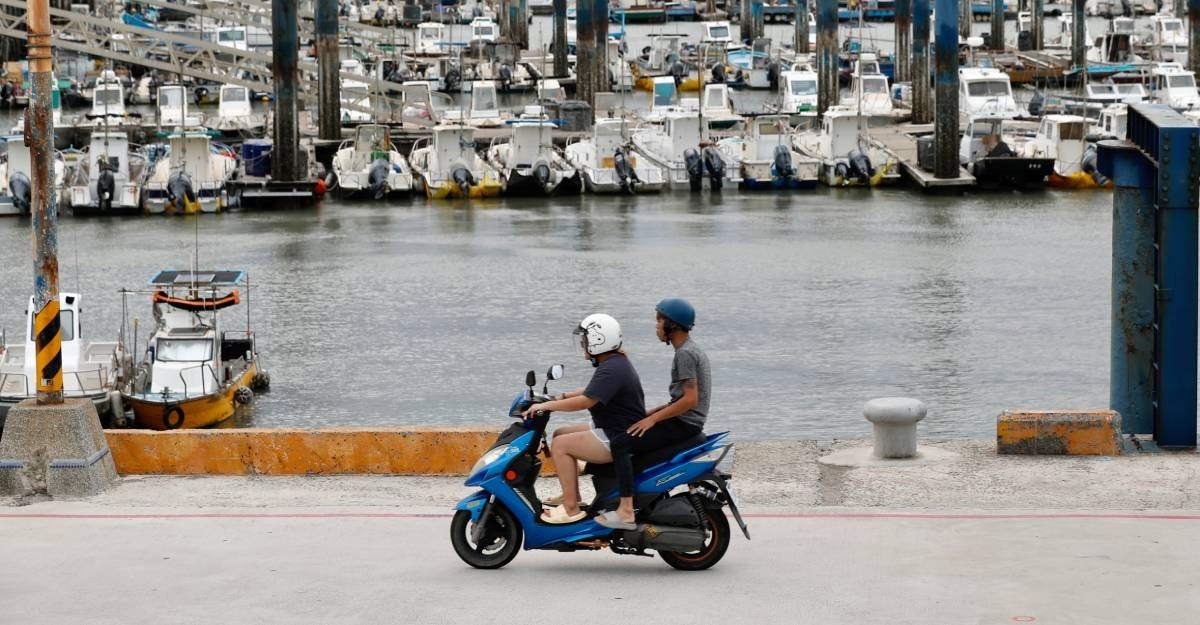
x: 77, y: 563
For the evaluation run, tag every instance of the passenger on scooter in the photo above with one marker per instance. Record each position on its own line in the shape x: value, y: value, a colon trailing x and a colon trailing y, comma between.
x: 678, y: 420
x: 613, y: 396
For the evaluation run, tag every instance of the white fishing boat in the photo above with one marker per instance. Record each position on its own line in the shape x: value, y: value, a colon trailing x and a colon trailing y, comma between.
x: 484, y: 29
x: 369, y: 165
x: 798, y: 93
x: 1168, y: 39
x: 529, y: 164
x: 985, y: 92
x: 16, y: 186
x: 484, y: 108
x: 107, y: 178
x: 767, y: 159
x: 188, y: 174
x: 1174, y: 86
x: 172, y: 108
x: 716, y: 107
x: 686, y: 157
x: 235, y: 117
x: 1112, y: 122
x: 431, y: 40
x: 108, y: 104
x: 447, y: 166
x: 1064, y: 139
x: 87, y: 366
x: 607, y: 164
x: 355, y: 95
x: 848, y: 157
x: 991, y: 152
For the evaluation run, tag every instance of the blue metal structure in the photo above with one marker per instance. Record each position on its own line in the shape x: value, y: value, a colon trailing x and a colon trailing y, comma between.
x: 922, y: 101
x: 827, y: 55
x: 945, y: 149
x: 1154, y: 329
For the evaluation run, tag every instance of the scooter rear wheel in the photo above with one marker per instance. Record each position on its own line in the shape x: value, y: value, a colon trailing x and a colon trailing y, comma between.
x: 499, y: 544
x: 711, y: 553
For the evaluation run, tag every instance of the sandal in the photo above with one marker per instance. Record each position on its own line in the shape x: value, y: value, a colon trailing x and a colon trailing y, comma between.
x: 556, y: 500
x: 612, y: 521
x: 558, y: 516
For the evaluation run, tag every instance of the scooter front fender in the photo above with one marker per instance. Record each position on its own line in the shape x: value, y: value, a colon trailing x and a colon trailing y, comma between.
x: 474, y: 503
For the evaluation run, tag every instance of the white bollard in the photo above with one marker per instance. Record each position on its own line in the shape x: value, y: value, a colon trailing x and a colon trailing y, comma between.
x: 895, y: 422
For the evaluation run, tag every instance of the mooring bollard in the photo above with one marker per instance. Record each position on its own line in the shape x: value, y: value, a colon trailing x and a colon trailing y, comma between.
x: 895, y: 422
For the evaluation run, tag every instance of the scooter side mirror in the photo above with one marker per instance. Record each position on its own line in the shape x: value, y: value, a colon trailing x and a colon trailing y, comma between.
x: 555, y: 373
x: 531, y: 379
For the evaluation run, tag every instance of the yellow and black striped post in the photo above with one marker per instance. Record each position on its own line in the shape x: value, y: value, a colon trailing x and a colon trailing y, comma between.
x: 48, y: 333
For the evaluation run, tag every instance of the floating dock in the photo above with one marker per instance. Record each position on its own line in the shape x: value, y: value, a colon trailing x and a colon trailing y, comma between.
x: 901, y: 142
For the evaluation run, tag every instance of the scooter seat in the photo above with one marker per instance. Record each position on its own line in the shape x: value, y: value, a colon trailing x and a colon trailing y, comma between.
x: 648, y: 459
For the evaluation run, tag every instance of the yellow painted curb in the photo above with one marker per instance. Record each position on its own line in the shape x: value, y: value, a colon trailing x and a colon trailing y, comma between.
x: 1059, y: 432
x: 259, y: 451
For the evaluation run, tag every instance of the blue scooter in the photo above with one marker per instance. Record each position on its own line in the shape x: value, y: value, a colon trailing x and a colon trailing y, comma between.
x: 688, y: 528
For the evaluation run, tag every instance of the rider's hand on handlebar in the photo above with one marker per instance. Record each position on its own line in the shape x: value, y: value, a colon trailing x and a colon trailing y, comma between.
x: 532, y: 411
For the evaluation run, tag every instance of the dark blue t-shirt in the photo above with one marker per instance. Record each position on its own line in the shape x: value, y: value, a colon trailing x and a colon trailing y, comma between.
x: 618, y: 393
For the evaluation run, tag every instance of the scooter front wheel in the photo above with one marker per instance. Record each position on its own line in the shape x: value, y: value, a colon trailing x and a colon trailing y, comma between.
x: 498, y: 543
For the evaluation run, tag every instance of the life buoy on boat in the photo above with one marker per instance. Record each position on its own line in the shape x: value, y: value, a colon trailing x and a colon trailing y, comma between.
x: 172, y: 409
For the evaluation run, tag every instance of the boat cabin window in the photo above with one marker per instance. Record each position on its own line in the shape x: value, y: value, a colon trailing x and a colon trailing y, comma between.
x: 170, y: 97
x: 372, y: 137
x: 868, y: 67
x: 986, y: 88
x: 1134, y: 90
x: 770, y: 129
x: 66, y: 321
x: 183, y: 350
x: 983, y: 129
x: 1181, y: 81
x: 1172, y: 26
x: 874, y: 85
x: 718, y: 32
x: 483, y: 99
x: 1102, y: 89
x: 804, y: 87
x: 483, y: 31
x: 107, y: 96
x: 231, y: 35
x: 664, y: 94
x: 714, y: 98
x: 353, y: 93
x: 1071, y: 131
x: 235, y: 94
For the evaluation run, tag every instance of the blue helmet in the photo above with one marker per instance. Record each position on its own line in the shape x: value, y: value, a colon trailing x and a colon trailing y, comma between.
x: 677, y: 310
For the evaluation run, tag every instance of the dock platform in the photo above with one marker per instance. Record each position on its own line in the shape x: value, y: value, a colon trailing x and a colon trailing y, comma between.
x: 901, y: 143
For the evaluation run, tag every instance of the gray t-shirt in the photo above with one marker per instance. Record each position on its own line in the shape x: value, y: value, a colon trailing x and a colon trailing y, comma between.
x: 691, y: 363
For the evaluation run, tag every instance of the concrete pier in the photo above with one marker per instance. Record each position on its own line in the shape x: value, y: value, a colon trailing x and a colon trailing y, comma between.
x: 1037, y: 28
x: 560, y: 38
x: 329, y: 85
x: 1078, y: 35
x: 285, y: 161
x: 800, y: 26
x: 827, y: 53
x: 922, y: 112
x: 903, y: 39
x: 946, y: 124
x: 997, y: 34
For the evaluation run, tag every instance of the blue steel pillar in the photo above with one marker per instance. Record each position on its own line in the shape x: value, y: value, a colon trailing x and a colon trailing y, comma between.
x: 1169, y: 146
x: 1193, y: 7
x: 922, y: 111
x: 827, y: 54
x: 285, y: 72
x: 945, y: 130
x: 757, y: 20
x: 1131, y: 369
x: 903, y: 39
x: 997, y: 24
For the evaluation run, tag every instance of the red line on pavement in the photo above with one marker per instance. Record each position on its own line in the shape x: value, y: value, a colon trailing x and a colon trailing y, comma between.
x: 765, y: 515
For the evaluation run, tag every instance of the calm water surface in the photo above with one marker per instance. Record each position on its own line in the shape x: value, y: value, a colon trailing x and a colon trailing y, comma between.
x: 416, y: 313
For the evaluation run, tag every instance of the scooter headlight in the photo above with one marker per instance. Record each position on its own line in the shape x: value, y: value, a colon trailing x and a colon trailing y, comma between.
x: 491, y: 456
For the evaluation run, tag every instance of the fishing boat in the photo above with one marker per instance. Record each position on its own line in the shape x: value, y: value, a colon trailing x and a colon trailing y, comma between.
x: 1168, y: 39
x: 447, y: 166
x: 484, y: 108
x: 172, y: 108
x: 848, y: 157
x: 985, y: 91
x: 990, y: 152
x: 1174, y: 86
x: 767, y: 159
x: 684, y: 154
x: 369, y: 165
x: 194, y: 372
x: 1112, y: 122
x: 798, y: 92
x: 608, y: 165
x: 16, y: 167
x: 1064, y: 139
x: 188, y: 174
x: 355, y: 95
x: 87, y: 366
x: 716, y: 107
x: 108, y: 104
x: 107, y: 177
x: 529, y: 163
x: 235, y: 118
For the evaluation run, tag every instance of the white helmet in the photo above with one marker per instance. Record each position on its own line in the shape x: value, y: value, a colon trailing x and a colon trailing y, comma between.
x: 601, y: 334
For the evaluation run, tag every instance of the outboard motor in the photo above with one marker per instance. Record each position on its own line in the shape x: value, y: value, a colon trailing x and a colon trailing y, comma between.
x: 377, y: 177
x: 1088, y: 164
x: 718, y: 73
x: 695, y: 168
x: 715, y: 166
x: 21, y: 190
x: 773, y: 75
x: 1036, y: 103
x: 626, y: 175
x: 783, y: 162
x: 860, y: 166
x: 541, y: 173
x: 180, y: 193
x: 1126, y: 8
x: 106, y: 188
x: 505, y: 77
x: 678, y: 71
x: 463, y: 178
x: 453, y: 79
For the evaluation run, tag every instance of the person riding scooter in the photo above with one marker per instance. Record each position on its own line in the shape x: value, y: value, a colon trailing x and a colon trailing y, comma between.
x: 613, y: 396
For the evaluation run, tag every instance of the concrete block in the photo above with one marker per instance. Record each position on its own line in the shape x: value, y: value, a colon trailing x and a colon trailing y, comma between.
x: 1059, y: 432
x: 895, y: 422
x: 59, y: 450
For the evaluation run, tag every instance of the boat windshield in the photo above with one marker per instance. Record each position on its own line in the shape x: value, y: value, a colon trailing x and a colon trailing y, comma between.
x: 985, y: 88
x: 170, y: 97
x: 664, y: 94
x: 234, y: 94
x: 1181, y: 80
x: 804, y: 87
x: 107, y: 96
x: 1071, y: 131
x: 66, y: 321
x: 232, y: 35
x: 1172, y: 26
x: 183, y: 350
x: 718, y: 32
x: 874, y: 86
x: 484, y: 100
